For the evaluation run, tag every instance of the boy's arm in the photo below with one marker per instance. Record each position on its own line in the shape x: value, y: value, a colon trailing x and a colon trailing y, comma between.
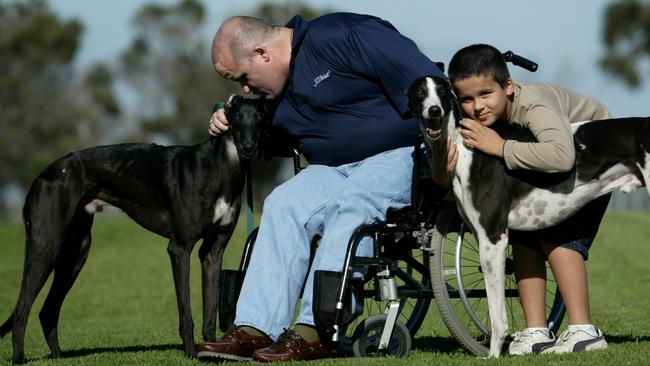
x: 554, y: 151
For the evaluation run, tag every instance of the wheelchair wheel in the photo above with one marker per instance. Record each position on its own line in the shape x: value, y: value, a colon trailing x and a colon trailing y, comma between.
x: 459, y: 289
x: 368, y: 334
x: 411, y: 277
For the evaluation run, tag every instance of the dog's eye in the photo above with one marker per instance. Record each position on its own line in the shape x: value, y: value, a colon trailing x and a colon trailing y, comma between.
x: 259, y: 116
x: 237, y: 117
x: 420, y: 93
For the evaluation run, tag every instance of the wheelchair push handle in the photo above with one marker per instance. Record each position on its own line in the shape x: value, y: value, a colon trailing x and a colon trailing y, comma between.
x: 515, y: 59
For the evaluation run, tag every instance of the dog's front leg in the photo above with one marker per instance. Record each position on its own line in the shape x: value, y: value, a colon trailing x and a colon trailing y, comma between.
x: 179, y: 253
x: 493, y: 265
x: 211, y: 255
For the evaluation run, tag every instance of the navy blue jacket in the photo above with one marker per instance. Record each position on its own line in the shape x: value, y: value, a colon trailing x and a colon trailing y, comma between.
x: 345, y: 97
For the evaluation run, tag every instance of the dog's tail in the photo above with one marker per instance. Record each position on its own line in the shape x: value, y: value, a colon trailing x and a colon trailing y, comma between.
x: 7, y: 326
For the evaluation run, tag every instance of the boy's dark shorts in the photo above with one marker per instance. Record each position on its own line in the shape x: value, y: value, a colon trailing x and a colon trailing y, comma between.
x: 577, y: 232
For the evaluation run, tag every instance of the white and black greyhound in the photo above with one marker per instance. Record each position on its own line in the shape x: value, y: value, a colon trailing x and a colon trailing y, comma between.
x: 183, y: 193
x: 610, y: 154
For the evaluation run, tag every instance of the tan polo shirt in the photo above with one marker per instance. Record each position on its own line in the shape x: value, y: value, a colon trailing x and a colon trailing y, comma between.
x: 547, y: 111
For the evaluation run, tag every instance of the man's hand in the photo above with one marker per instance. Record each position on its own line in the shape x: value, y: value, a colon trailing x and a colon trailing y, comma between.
x: 218, y: 121
x: 482, y: 138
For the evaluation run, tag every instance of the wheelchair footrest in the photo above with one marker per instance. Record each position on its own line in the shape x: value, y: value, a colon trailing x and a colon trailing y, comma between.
x: 230, y: 282
x: 327, y: 285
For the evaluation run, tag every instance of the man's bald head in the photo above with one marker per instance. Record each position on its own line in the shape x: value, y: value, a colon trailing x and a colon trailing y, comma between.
x: 237, y: 37
x: 254, y: 54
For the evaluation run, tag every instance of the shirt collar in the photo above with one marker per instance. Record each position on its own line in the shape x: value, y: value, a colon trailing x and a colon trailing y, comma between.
x: 299, y: 26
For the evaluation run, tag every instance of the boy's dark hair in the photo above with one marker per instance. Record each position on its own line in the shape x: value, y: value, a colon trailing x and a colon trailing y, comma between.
x: 478, y: 60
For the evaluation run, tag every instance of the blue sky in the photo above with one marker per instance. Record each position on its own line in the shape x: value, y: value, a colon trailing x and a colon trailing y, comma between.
x: 562, y: 36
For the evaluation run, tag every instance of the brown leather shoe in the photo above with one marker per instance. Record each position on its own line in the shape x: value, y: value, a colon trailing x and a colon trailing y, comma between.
x: 236, y: 345
x: 291, y: 347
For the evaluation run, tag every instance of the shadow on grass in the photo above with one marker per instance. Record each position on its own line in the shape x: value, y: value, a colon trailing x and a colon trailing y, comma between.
x: 98, y: 350
x: 451, y: 345
x: 126, y: 349
x: 627, y: 338
x: 436, y: 344
x: 425, y: 344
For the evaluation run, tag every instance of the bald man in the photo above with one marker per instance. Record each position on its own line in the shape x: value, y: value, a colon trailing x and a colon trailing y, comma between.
x: 336, y: 86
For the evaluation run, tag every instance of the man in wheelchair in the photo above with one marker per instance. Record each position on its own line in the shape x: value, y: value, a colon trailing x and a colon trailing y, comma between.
x: 336, y: 86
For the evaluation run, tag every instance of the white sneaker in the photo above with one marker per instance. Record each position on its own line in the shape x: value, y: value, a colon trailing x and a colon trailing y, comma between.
x: 530, y: 342
x: 577, y: 341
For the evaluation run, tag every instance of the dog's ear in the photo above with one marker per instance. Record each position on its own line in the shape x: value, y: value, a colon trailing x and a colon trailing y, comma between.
x: 458, y: 112
x: 412, y: 103
x: 412, y: 110
x: 233, y: 99
x: 448, y: 92
x: 266, y: 108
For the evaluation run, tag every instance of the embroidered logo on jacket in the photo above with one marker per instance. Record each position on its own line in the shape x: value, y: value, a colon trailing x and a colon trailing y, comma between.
x: 321, y: 77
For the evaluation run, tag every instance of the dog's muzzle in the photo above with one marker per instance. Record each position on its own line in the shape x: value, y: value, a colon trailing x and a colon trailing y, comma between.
x: 246, y: 148
x: 247, y: 152
x: 431, y: 122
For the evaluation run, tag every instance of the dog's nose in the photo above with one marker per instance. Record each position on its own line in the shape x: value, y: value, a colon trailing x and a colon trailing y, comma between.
x: 434, y: 111
x: 249, y: 146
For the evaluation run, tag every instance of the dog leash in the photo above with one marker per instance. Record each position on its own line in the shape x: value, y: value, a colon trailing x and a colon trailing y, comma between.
x: 249, y: 197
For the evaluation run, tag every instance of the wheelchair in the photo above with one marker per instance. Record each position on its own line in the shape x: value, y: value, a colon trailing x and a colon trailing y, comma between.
x: 423, y: 252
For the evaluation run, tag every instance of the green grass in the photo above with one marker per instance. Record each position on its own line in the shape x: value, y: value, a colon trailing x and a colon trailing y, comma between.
x: 122, y: 309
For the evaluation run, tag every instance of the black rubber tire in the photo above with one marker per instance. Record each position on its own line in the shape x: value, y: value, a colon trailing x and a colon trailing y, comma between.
x: 368, y: 333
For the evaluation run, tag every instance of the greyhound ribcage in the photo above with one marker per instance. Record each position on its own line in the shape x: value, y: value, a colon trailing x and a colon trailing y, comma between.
x: 541, y: 208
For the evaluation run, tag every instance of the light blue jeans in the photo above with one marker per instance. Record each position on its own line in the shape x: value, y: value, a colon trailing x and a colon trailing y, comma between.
x: 320, y: 202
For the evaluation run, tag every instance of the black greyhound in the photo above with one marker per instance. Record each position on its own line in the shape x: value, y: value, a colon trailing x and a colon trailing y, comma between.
x: 610, y: 154
x: 184, y: 193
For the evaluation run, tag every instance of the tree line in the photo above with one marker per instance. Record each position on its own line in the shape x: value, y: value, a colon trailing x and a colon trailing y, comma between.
x: 49, y: 106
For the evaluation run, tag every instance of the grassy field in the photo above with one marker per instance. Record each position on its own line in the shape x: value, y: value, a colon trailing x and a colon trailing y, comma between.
x: 122, y: 309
